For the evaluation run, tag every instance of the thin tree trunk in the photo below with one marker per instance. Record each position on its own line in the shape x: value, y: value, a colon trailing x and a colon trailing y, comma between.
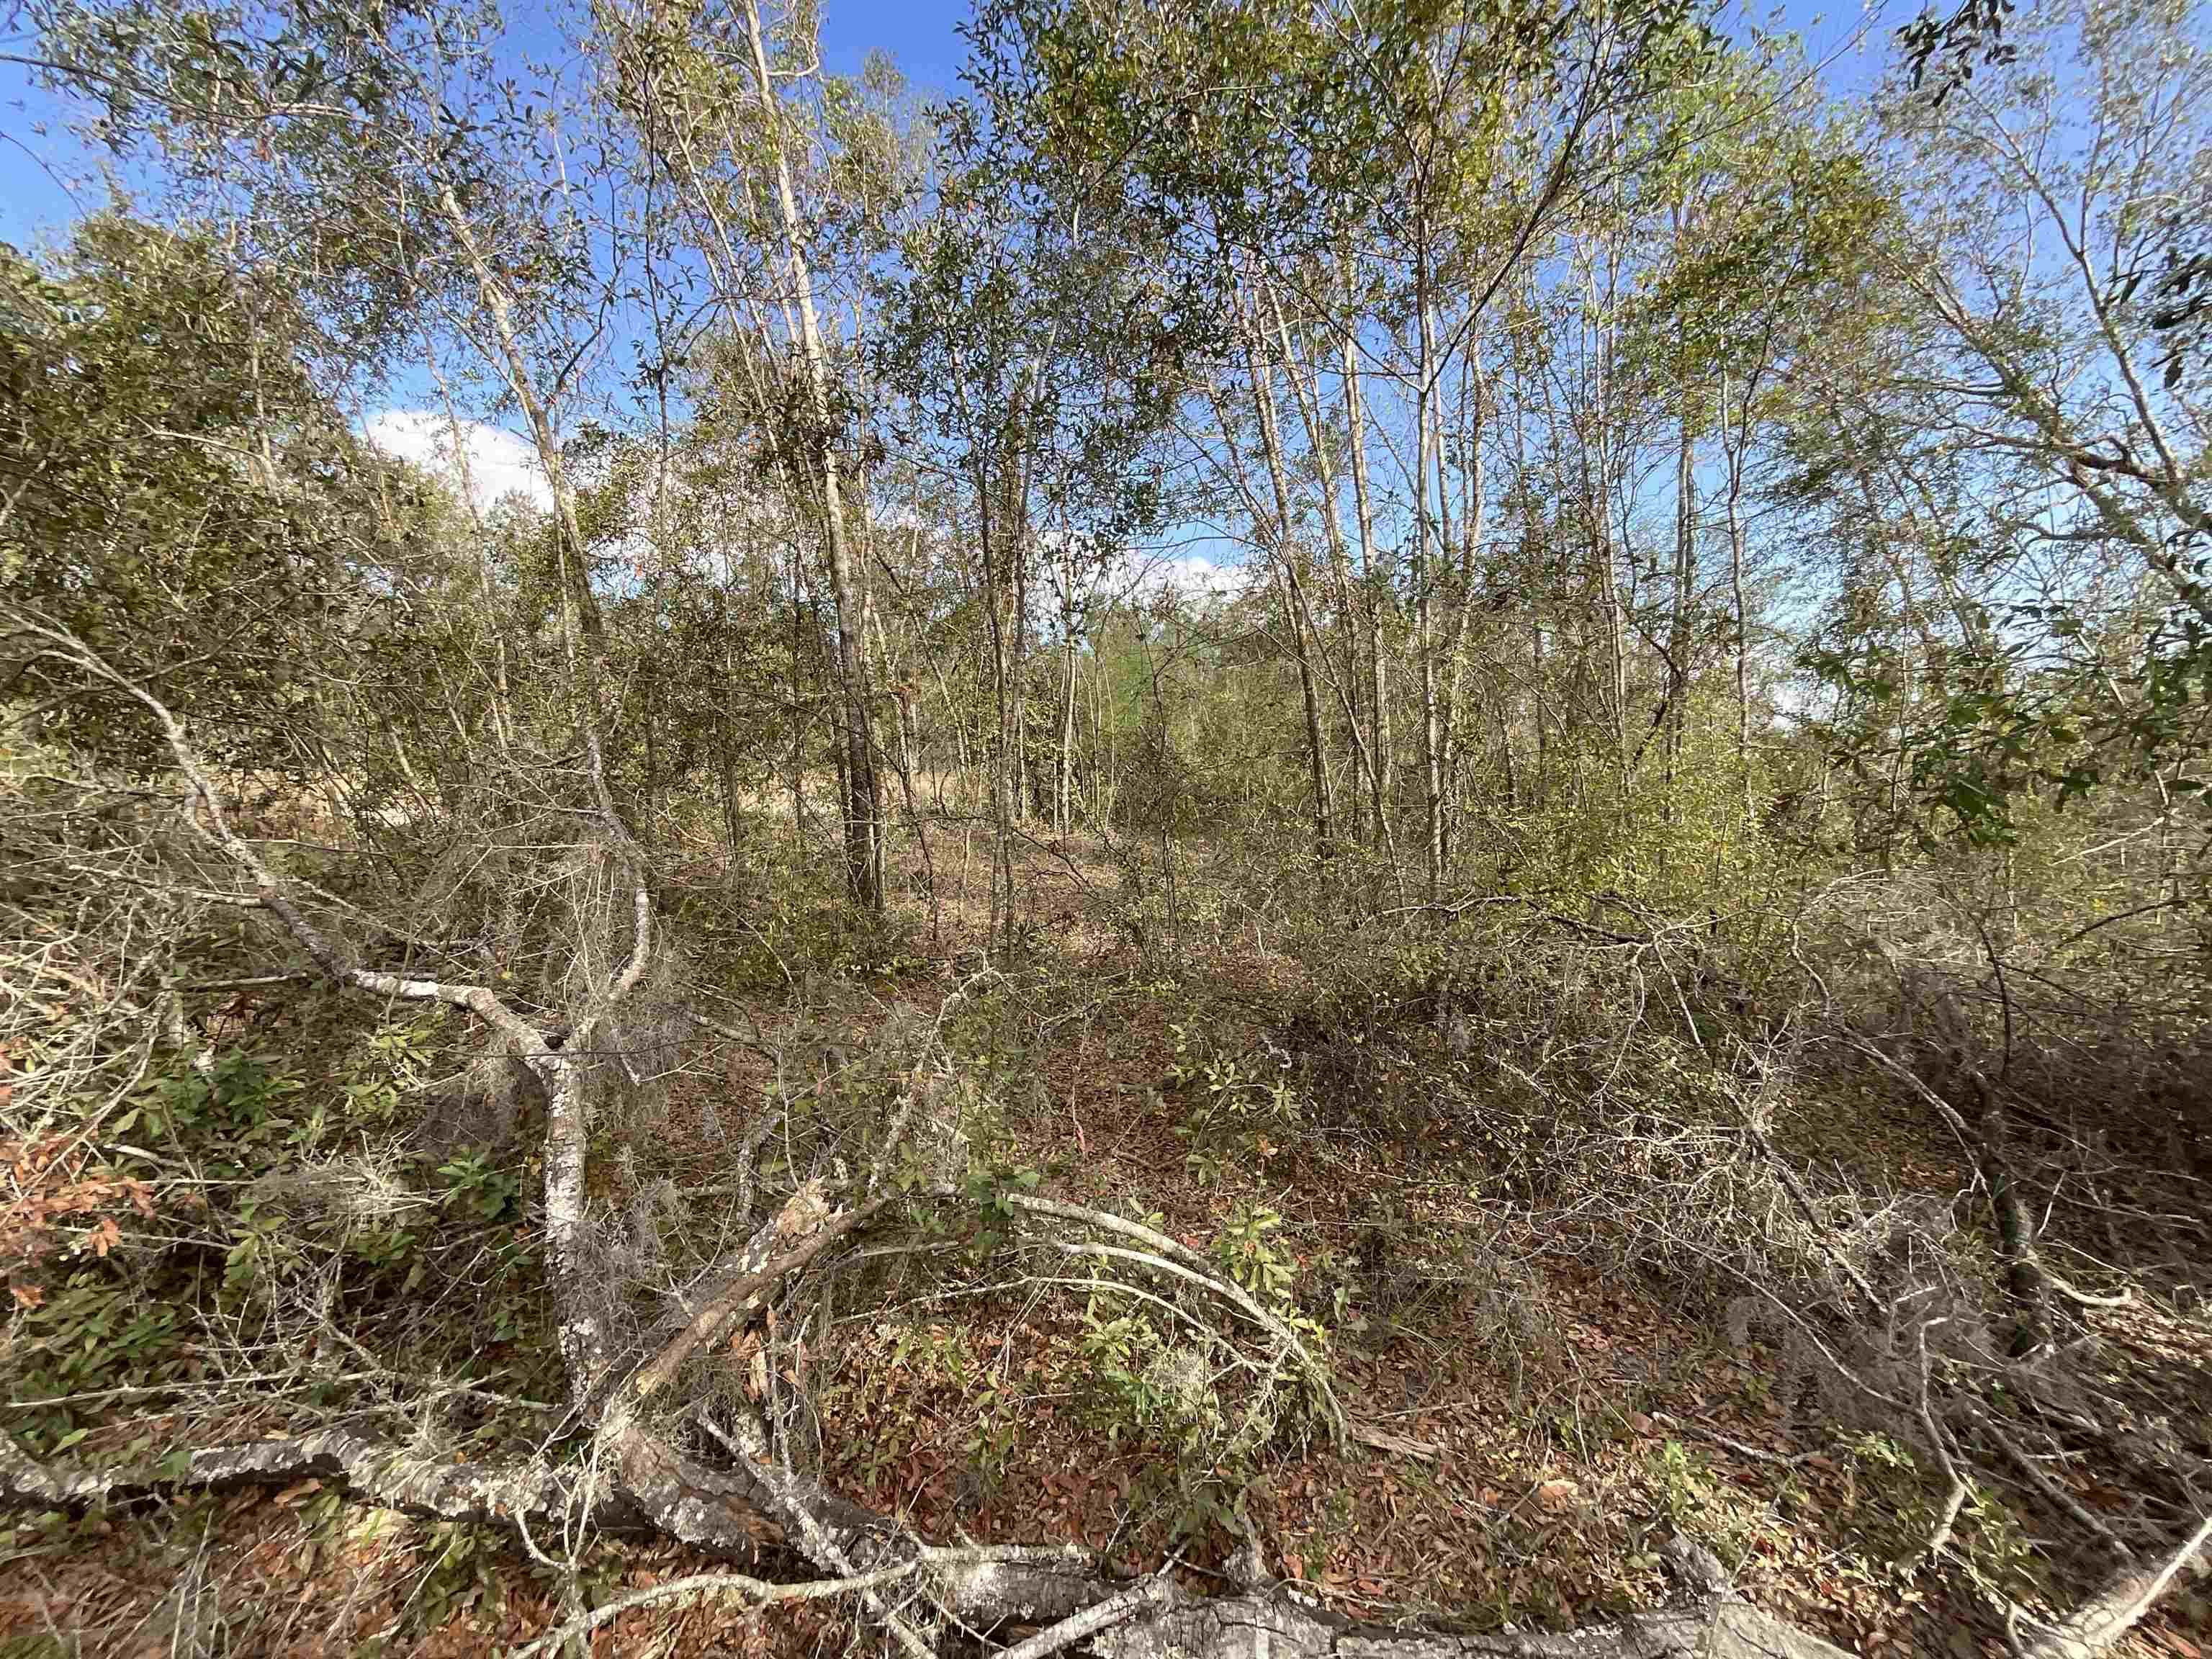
x: 1002, y: 762
x: 1678, y: 619
x: 1472, y: 527
x: 1355, y: 418
x: 1063, y: 790
x: 1735, y: 452
x: 1347, y: 685
x: 580, y: 614
x: 502, y: 720
x: 863, y: 826
x: 1427, y: 422
x: 1301, y: 620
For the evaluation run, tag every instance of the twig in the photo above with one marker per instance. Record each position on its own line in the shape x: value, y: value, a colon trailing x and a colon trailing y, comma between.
x: 2083, y: 1298
x: 1742, y: 1449
x: 1956, y: 1499
x: 2056, y: 1495
x: 142, y: 1391
x: 1499, y: 1525
x: 712, y: 1584
x: 252, y: 983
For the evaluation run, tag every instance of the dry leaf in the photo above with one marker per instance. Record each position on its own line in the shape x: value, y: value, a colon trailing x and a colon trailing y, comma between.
x: 1556, y: 1495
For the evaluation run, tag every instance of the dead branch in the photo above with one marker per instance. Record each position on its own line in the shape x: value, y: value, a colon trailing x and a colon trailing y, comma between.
x: 2105, y: 1620
x: 1954, y: 1499
x: 710, y: 1584
x: 586, y: 1344
x: 379, y: 1471
x: 804, y: 1217
x: 2052, y: 1492
x: 2024, y: 1272
x: 1114, y: 1610
x: 1183, y: 1262
x: 819, y: 1548
x: 1236, y: 1627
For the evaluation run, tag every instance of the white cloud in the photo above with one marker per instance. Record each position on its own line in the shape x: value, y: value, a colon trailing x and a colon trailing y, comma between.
x: 1189, y: 577
x: 499, y: 463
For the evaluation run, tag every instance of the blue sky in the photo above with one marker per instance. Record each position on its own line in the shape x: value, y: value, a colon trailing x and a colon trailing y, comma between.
x: 38, y: 160
x: 48, y: 180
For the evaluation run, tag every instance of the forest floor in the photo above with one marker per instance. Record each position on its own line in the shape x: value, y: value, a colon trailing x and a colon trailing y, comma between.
x: 1532, y: 1418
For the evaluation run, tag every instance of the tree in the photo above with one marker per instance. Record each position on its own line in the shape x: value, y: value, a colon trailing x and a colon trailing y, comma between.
x: 2050, y: 473
x: 182, y: 496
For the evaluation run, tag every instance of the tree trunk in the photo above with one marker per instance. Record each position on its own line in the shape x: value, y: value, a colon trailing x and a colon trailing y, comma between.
x: 1678, y: 614
x: 1426, y: 449
x: 1355, y: 421
x: 1300, y: 618
x: 1734, y: 455
x: 1473, y: 517
x: 1346, y: 683
x: 862, y: 796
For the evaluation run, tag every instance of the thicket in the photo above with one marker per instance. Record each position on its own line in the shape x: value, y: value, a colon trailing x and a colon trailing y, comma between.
x: 818, y: 955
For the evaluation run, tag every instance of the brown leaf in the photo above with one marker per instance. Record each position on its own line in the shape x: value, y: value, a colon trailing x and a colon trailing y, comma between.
x: 1556, y: 1495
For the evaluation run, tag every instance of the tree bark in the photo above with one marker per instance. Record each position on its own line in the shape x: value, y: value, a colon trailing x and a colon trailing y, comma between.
x: 863, y: 850
x: 1300, y: 618
x: 1355, y: 421
x: 1425, y: 466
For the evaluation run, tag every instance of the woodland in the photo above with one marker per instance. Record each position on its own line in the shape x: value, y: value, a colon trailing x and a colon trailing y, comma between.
x: 1366, y: 828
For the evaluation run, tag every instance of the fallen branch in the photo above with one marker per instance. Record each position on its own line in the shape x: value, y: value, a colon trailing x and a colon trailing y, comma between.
x: 1183, y: 1262
x: 2103, y: 1621
x: 2025, y: 1278
x: 1954, y: 1499
x: 2052, y: 1492
x: 820, y: 1548
x: 984, y: 1588
x: 1114, y: 1610
x: 703, y: 1585
x: 1367, y: 1434
x: 585, y: 1342
x: 805, y: 1217
x: 1238, y: 1628
x: 2083, y: 1298
x: 379, y: 1471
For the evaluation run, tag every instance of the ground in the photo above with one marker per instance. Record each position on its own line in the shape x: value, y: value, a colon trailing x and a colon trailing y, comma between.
x: 1532, y: 1413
